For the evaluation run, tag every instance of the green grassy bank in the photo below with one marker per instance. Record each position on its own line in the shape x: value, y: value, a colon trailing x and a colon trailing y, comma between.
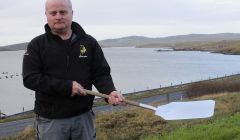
x: 223, y: 128
x: 141, y: 124
x: 225, y: 125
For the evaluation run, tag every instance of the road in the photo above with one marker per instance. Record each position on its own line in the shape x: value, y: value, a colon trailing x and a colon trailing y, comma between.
x: 13, y: 128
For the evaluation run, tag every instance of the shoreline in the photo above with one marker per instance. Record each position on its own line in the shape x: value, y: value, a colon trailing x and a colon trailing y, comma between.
x: 229, y: 52
x: 143, y: 94
x: 162, y: 48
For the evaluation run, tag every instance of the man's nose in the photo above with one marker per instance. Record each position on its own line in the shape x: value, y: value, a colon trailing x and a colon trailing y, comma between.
x: 58, y: 16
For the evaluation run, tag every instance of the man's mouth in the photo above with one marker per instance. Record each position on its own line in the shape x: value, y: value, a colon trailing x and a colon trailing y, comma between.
x: 59, y: 22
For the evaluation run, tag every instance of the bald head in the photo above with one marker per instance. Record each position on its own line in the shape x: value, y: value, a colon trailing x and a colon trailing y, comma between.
x: 59, y: 16
x: 63, y: 2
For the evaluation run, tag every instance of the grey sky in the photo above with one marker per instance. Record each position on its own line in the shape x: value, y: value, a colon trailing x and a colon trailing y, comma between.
x: 23, y: 20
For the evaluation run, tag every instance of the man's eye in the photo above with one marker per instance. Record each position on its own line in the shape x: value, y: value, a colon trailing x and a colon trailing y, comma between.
x: 53, y: 13
x: 63, y: 12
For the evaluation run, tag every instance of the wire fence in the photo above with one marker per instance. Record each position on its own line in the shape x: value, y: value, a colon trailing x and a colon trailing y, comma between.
x: 150, y: 92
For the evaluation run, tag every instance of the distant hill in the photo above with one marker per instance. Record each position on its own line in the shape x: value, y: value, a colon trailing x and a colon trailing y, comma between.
x: 140, y: 40
x: 14, y: 47
x: 144, y: 41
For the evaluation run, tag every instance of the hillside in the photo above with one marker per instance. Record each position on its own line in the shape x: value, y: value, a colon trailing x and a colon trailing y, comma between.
x: 140, y: 40
x: 215, y: 42
x: 223, y: 46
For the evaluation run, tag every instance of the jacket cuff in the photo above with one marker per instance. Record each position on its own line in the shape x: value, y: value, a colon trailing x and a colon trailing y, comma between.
x: 68, y: 91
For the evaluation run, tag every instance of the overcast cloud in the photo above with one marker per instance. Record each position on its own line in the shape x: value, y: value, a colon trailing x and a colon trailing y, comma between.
x: 23, y: 20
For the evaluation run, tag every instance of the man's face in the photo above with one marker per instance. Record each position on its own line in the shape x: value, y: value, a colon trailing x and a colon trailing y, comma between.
x: 59, y: 15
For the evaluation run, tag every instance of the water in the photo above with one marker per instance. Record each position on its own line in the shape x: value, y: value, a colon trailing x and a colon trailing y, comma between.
x: 133, y: 69
x: 141, y: 69
x: 14, y: 98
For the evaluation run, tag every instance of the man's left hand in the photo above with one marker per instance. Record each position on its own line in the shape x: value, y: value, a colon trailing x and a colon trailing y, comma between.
x: 116, y: 98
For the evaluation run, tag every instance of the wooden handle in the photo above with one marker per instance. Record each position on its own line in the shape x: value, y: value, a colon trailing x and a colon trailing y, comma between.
x: 107, y: 96
x: 96, y: 94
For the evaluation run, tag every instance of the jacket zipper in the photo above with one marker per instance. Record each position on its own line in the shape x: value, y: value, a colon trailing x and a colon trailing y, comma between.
x: 67, y: 63
x: 68, y: 50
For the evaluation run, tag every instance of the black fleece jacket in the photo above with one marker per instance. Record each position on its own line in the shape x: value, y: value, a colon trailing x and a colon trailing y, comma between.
x: 50, y: 64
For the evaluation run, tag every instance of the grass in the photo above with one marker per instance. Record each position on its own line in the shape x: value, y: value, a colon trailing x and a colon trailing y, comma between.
x: 131, y: 124
x: 27, y: 134
x: 20, y: 117
x: 224, y: 128
x: 144, y: 125
x: 212, y: 87
x: 232, y: 47
x: 225, y: 125
x: 140, y: 124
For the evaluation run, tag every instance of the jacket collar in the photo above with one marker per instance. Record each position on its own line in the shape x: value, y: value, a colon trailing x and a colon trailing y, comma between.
x: 76, y: 28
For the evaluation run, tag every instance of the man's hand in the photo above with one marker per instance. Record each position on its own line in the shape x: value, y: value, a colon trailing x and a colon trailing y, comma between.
x: 115, y: 98
x: 77, y: 89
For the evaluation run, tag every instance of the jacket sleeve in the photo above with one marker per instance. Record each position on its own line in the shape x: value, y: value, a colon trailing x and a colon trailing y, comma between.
x: 35, y: 79
x: 102, y: 78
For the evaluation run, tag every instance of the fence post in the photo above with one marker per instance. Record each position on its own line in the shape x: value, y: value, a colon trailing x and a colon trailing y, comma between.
x: 168, y: 98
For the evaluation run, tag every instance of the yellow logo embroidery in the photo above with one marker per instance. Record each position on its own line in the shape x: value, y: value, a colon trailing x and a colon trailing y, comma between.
x: 83, y: 51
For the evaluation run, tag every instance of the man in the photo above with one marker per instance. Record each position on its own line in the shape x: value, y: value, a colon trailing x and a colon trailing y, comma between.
x: 59, y: 65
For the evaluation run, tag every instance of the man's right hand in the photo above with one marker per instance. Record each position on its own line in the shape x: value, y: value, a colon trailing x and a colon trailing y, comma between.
x: 77, y: 89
